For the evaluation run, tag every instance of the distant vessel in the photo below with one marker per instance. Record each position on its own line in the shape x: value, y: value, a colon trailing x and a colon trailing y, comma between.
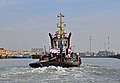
x: 17, y: 56
x: 60, y: 52
x: 115, y: 56
x: 22, y: 56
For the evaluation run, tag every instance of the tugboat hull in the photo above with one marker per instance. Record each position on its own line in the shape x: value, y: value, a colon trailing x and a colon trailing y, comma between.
x: 61, y: 64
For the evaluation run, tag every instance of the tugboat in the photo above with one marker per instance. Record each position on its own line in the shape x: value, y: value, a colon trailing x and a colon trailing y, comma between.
x: 60, y: 52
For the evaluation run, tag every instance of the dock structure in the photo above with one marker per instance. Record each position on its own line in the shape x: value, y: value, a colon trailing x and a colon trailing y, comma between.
x: 5, y: 53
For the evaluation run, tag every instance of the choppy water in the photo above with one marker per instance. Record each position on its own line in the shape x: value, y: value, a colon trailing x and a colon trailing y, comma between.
x: 91, y: 71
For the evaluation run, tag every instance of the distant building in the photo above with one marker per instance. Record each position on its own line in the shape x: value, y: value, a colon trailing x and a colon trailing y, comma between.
x: 82, y: 54
x: 105, y: 53
x: 38, y: 50
x: 4, y: 52
x: 90, y: 53
x: 2, y: 48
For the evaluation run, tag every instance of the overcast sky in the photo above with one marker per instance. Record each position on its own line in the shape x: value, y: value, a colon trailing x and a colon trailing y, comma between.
x: 25, y: 24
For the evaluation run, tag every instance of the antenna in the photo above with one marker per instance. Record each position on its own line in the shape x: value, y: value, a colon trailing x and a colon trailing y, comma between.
x: 90, y: 44
x: 108, y: 44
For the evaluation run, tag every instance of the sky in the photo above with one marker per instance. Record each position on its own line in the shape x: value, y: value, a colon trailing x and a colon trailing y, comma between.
x: 25, y: 24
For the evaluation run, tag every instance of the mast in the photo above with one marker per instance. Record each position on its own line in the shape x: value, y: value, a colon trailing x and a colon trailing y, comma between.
x: 60, y: 24
x: 61, y: 33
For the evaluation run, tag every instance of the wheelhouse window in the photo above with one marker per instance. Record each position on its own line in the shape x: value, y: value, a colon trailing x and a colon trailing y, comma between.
x: 55, y: 43
x: 65, y: 43
x: 60, y: 44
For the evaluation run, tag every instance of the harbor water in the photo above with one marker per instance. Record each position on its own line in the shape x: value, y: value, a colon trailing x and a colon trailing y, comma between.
x: 92, y: 70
